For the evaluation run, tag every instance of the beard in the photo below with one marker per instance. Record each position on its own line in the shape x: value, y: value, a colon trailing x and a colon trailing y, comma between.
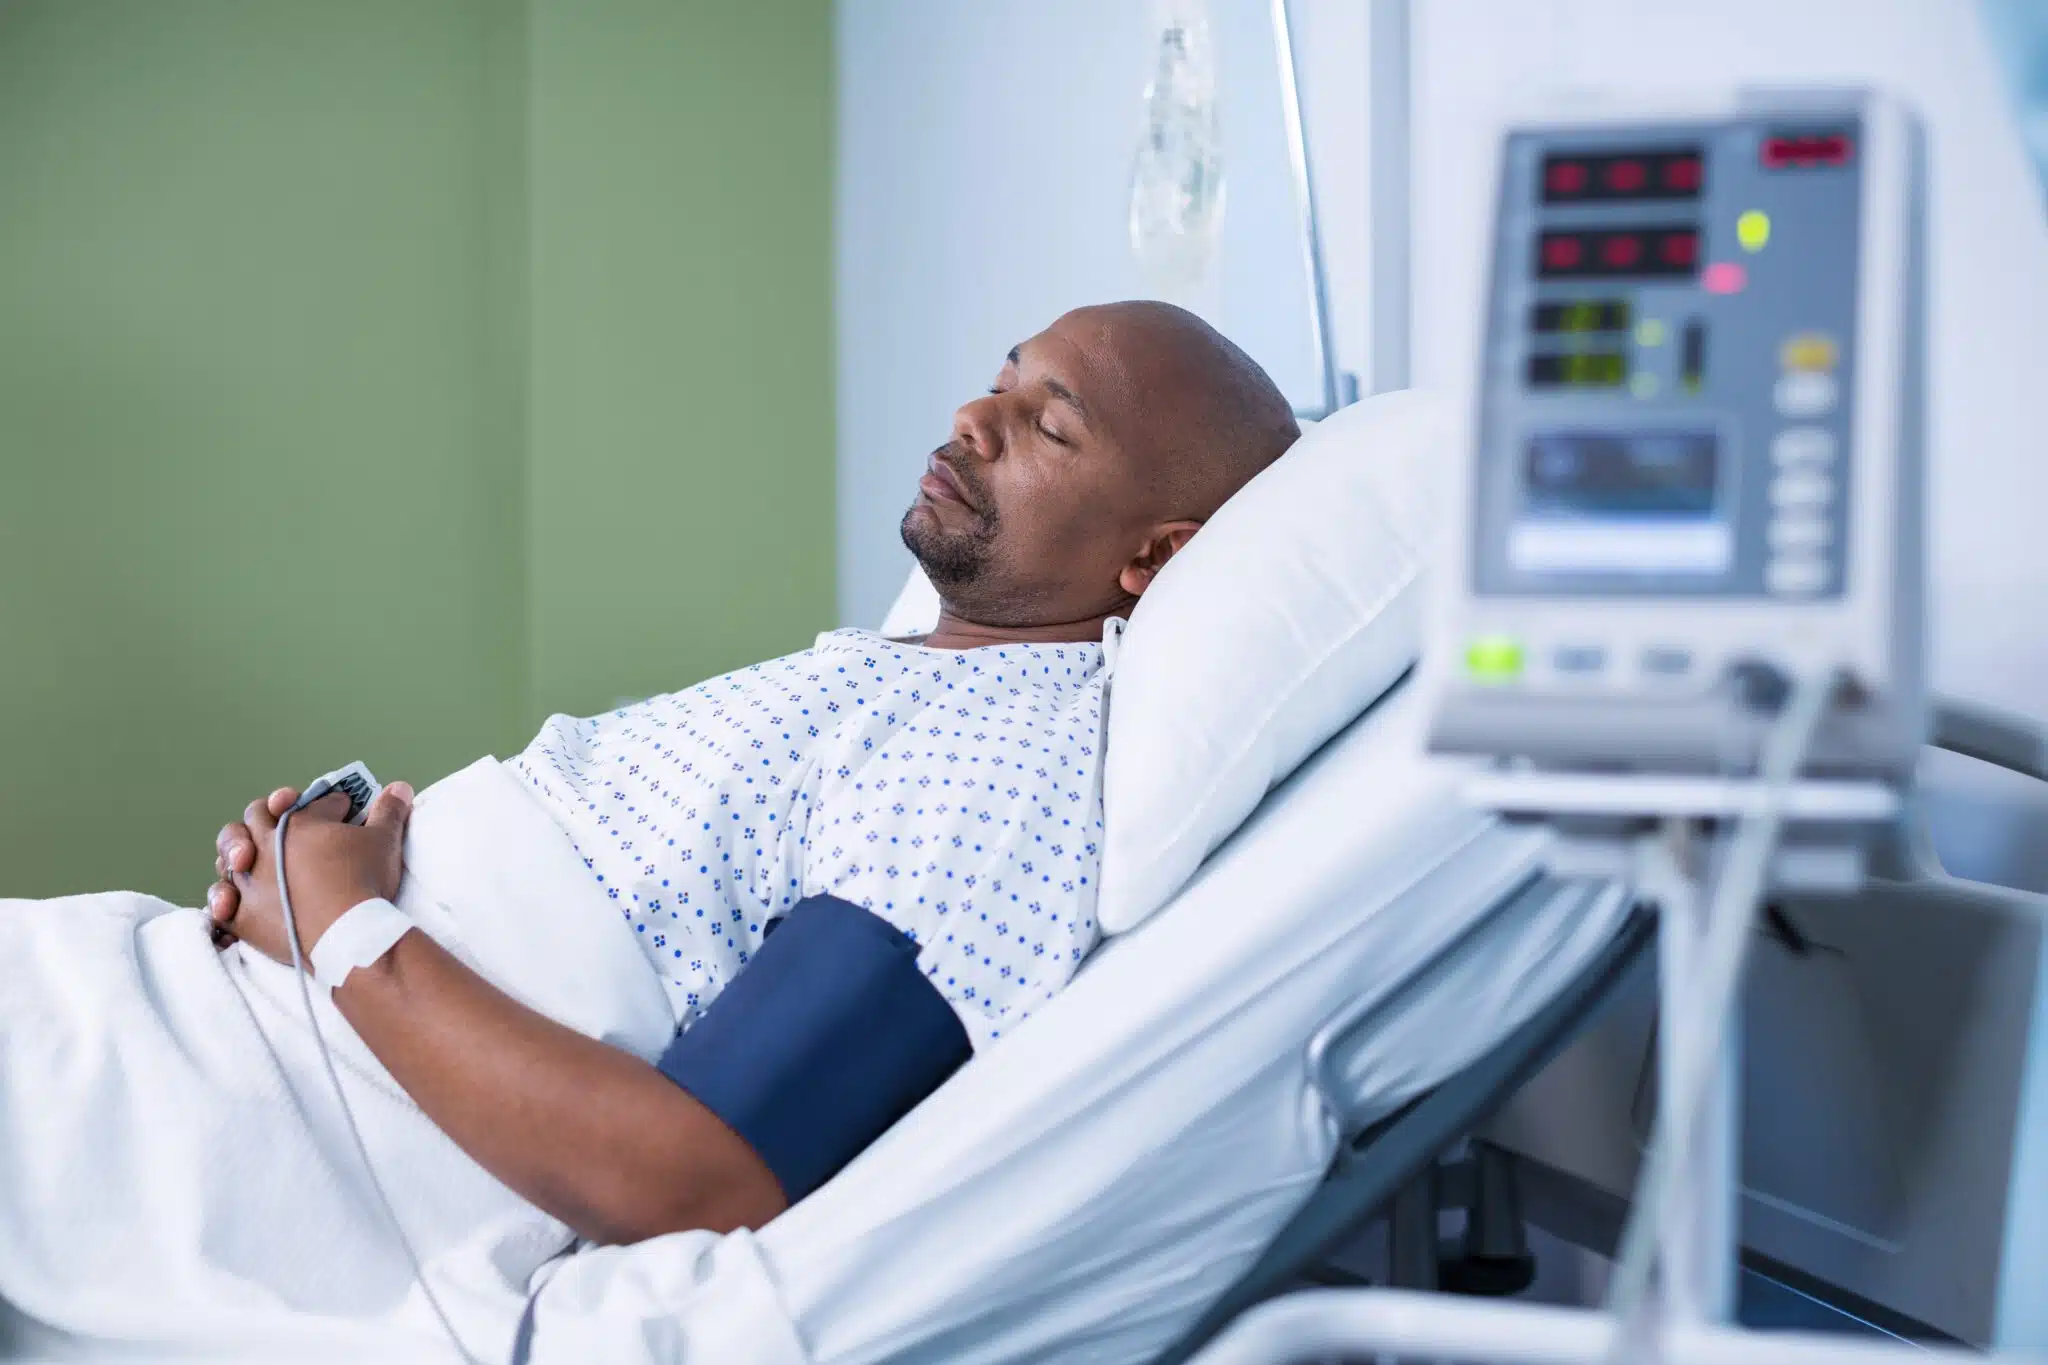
x: 954, y: 559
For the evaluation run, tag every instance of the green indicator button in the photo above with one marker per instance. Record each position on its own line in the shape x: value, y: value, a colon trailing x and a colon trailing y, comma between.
x: 1494, y: 658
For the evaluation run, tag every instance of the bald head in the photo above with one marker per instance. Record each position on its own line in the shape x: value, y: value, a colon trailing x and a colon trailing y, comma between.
x: 1104, y: 444
x: 1209, y: 417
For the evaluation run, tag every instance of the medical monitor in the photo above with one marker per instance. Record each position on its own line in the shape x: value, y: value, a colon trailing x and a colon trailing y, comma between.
x: 1695, y: 454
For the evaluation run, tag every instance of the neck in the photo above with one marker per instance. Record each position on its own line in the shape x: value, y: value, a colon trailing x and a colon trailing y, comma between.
x: 957, y: 632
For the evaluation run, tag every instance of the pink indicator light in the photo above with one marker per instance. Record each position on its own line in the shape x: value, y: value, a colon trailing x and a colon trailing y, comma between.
x: 1724, y: 277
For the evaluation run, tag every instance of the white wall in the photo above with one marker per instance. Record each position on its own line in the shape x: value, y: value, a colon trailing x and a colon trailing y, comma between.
x: 983, y: 188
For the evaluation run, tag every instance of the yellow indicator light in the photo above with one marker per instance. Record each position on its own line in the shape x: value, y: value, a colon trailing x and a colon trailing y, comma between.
x: 1808, y: 351
x: 1753, y: 229
x: 1642, y: 385
x: 1650, y: 332
x: 1494, y: 658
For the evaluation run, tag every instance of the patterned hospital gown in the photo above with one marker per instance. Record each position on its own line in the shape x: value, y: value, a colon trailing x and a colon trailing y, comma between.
x: 954, y: 793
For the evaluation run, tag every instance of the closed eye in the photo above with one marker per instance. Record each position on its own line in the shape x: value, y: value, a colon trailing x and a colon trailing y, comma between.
x: 1053, y: 436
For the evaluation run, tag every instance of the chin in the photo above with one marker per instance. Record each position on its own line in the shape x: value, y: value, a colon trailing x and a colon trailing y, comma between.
x: 949, y: 557
x: 921, y: 531
x: 920, y: 525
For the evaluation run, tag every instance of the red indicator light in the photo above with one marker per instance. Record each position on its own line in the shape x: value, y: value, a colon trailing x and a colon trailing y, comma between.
x: 1622, y: 176
x: 1724, y: 277
x: 1804, y: 151
x: 1621, y: 251
x: 1565, y: 178
x: 1625, y: 177
x: 1653, y: 250
x: 1682, y: 174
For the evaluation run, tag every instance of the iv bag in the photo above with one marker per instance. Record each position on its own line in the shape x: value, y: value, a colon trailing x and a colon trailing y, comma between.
x: 1177, y: 176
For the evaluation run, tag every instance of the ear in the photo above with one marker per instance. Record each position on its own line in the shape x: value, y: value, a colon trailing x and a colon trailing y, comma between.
x: 1163, y: 544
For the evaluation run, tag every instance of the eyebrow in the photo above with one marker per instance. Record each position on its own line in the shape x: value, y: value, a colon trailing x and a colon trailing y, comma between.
x: 1058, y: 390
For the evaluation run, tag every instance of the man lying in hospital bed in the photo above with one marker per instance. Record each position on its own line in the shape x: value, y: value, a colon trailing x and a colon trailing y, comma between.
x: 680, y: 963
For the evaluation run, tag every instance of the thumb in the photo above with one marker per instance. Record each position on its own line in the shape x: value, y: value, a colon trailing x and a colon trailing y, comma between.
x: 391, y: 809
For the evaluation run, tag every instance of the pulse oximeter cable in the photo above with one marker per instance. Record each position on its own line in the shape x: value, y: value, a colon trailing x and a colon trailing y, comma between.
x: 291, y: 931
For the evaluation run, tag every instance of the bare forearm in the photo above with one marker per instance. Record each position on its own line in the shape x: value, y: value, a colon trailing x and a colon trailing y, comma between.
x: 589, y: 1133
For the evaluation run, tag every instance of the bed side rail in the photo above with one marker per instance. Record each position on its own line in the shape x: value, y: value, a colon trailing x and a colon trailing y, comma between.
x: 1379, y: 1159
x: 1993, y: 736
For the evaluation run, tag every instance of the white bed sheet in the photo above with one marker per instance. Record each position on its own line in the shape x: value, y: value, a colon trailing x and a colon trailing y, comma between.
x: 1082, y: 1192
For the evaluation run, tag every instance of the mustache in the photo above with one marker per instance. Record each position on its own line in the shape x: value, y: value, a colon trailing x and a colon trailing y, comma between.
x: 962, y: 468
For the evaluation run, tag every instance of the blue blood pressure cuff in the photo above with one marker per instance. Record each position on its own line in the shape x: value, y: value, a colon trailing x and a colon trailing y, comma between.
x: 828, y: 1037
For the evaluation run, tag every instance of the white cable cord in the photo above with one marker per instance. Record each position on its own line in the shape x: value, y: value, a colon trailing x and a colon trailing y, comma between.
x: 291, y: 933
x: 1724, y: 952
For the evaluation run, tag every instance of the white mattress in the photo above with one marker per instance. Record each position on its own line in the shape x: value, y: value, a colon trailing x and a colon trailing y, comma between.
x: 1084, y: 1190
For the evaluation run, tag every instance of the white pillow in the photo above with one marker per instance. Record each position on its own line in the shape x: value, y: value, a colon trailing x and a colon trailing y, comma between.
x: 1295, y: 607
x: 915, y: 610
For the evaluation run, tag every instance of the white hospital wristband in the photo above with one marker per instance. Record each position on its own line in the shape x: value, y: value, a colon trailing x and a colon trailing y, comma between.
x: 357, y: 939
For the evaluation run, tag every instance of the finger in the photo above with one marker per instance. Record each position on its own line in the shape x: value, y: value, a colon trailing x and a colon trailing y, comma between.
x: 281, y: 800
x: 333, y: 806
x: 238, y: 854
x: 222, y: 901
x: 390, y: 809
x: 257, y: 817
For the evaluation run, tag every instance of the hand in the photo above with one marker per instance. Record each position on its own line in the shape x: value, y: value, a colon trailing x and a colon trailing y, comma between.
x: 234, y: 850
x: 332, y: 867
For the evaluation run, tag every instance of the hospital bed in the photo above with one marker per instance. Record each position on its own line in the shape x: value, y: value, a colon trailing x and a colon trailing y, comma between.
x: 1350, y: 964
x: 1091, y: 1188
x: 1343, y: 989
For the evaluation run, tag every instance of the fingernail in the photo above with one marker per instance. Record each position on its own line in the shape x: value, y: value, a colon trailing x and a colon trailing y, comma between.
x: 401, y: 790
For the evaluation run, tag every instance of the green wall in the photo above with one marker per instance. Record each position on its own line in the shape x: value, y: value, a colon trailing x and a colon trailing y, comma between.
x: 378, y: 377
x: 682, y: 341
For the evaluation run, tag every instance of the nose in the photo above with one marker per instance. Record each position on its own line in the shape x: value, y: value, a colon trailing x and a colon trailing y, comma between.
x: 978, y: 429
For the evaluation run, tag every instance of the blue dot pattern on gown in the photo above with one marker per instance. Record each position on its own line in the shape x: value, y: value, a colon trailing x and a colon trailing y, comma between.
x: 954, y: 793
